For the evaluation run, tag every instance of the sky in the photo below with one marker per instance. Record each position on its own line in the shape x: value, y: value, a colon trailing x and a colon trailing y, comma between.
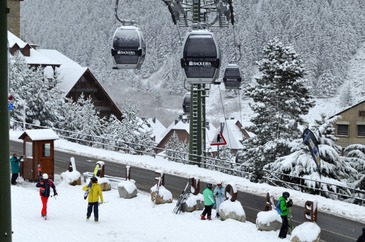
x: 138, y: 219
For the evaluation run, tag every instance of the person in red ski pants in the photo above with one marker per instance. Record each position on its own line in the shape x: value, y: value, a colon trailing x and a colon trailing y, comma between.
x: 45, y: 186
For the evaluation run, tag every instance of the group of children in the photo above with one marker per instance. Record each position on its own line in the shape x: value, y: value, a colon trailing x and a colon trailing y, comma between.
x: 45, y: 184
x: 94, y: 194
x: 216, y: 197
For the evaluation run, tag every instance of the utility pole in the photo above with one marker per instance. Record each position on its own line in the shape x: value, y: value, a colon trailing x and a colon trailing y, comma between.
x: 5, y: 197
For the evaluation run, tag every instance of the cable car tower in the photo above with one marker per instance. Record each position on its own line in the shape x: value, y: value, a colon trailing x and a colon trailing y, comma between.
x: 201, y: 58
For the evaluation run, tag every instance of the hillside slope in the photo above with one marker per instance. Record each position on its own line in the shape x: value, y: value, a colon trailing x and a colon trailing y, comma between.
x: 326, y: 35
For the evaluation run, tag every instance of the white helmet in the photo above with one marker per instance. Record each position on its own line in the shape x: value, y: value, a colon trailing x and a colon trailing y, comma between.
x: 45, y: 176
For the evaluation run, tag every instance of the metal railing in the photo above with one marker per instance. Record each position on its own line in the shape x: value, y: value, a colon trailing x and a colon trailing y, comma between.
x: 337, y: 191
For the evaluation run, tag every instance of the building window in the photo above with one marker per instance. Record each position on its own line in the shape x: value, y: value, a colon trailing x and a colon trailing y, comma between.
x: 361, y: 113
x: 342, y: 129
x: 46, y: 150
x: 361, y: 130
x: 29, y: 150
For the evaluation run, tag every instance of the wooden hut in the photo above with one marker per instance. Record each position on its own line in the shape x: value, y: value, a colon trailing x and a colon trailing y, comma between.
x: 38, y: 153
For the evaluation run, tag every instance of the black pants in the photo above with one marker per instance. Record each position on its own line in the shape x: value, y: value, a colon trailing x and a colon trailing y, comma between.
x: 14, y: 176
x: 208, y: 210
x: 284, y: 227
x: 90, y: 207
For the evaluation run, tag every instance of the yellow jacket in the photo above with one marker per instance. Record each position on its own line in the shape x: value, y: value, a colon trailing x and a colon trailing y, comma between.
x: 94, y: 193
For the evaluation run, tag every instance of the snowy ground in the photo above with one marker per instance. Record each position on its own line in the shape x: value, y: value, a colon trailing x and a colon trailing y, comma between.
x: 137, y: 219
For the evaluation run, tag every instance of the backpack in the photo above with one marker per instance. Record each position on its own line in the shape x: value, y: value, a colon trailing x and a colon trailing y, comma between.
x: 277, y: 207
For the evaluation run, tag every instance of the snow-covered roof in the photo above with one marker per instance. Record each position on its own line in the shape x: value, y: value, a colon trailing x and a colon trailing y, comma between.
x: 35, y: 57
x: 57, y: 56
x: 155, y: 126
x: 13, y: 39
x: 185, y: 125
x: 70, y: 71
x: 69, y: 76
x: 40, y: 134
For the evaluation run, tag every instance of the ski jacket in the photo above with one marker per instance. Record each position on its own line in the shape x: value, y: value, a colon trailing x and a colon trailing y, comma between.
x: 45, y: 188
x: 15, y: 164
x: 208, y: 197
x: 219, y: 192
x: 283, y: 207
x: 94, y: 193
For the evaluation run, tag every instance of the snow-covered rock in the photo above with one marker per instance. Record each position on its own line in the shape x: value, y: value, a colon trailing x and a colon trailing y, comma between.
x: 232, y: 210
x: 73, y: 178
x: 161, y: 196
x: 193, y: 203
x: 104, y: 184
x: 268, y: 221
x: 300, y: 233
x: 127, y: 189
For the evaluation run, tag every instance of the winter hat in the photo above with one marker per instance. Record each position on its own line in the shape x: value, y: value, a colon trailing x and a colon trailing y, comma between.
x: 209, y: 185
x: 94, y: 179
x: 286, y: 195
x: 45, y: 176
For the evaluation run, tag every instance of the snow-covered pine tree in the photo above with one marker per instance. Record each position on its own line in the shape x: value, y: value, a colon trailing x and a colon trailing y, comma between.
x: 279, y: 101
x: 177, y: 150
x: 354, y: 155
x: 134, y: 135
x: 34, y: 92
x: 335, y: 170
x: 81, y: 120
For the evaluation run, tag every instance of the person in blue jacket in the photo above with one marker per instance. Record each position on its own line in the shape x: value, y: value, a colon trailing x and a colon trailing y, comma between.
x: 208, y: 202
x: 219, y: 196
x: 15, y: 167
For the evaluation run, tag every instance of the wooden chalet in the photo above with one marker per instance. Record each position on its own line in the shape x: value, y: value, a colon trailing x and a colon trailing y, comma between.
x: 233, y: 133
x: 180, y: 128
x: 75, y: 78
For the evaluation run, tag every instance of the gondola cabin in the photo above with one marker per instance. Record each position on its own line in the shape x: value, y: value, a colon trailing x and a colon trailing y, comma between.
x: 186, y: 104
x: 200, y: 57
x: 232, y: 77
x: 129, y: 48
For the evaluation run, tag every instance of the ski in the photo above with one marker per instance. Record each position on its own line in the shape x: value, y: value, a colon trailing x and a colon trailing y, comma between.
x: 96, y: 169
x: 183, y: 197
x: 290, y: 220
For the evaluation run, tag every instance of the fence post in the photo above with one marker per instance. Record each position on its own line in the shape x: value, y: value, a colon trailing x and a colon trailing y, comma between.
x: 161, y: 176
x: 310, y: 211
x: 195, y: 183
x: 127, y: 173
